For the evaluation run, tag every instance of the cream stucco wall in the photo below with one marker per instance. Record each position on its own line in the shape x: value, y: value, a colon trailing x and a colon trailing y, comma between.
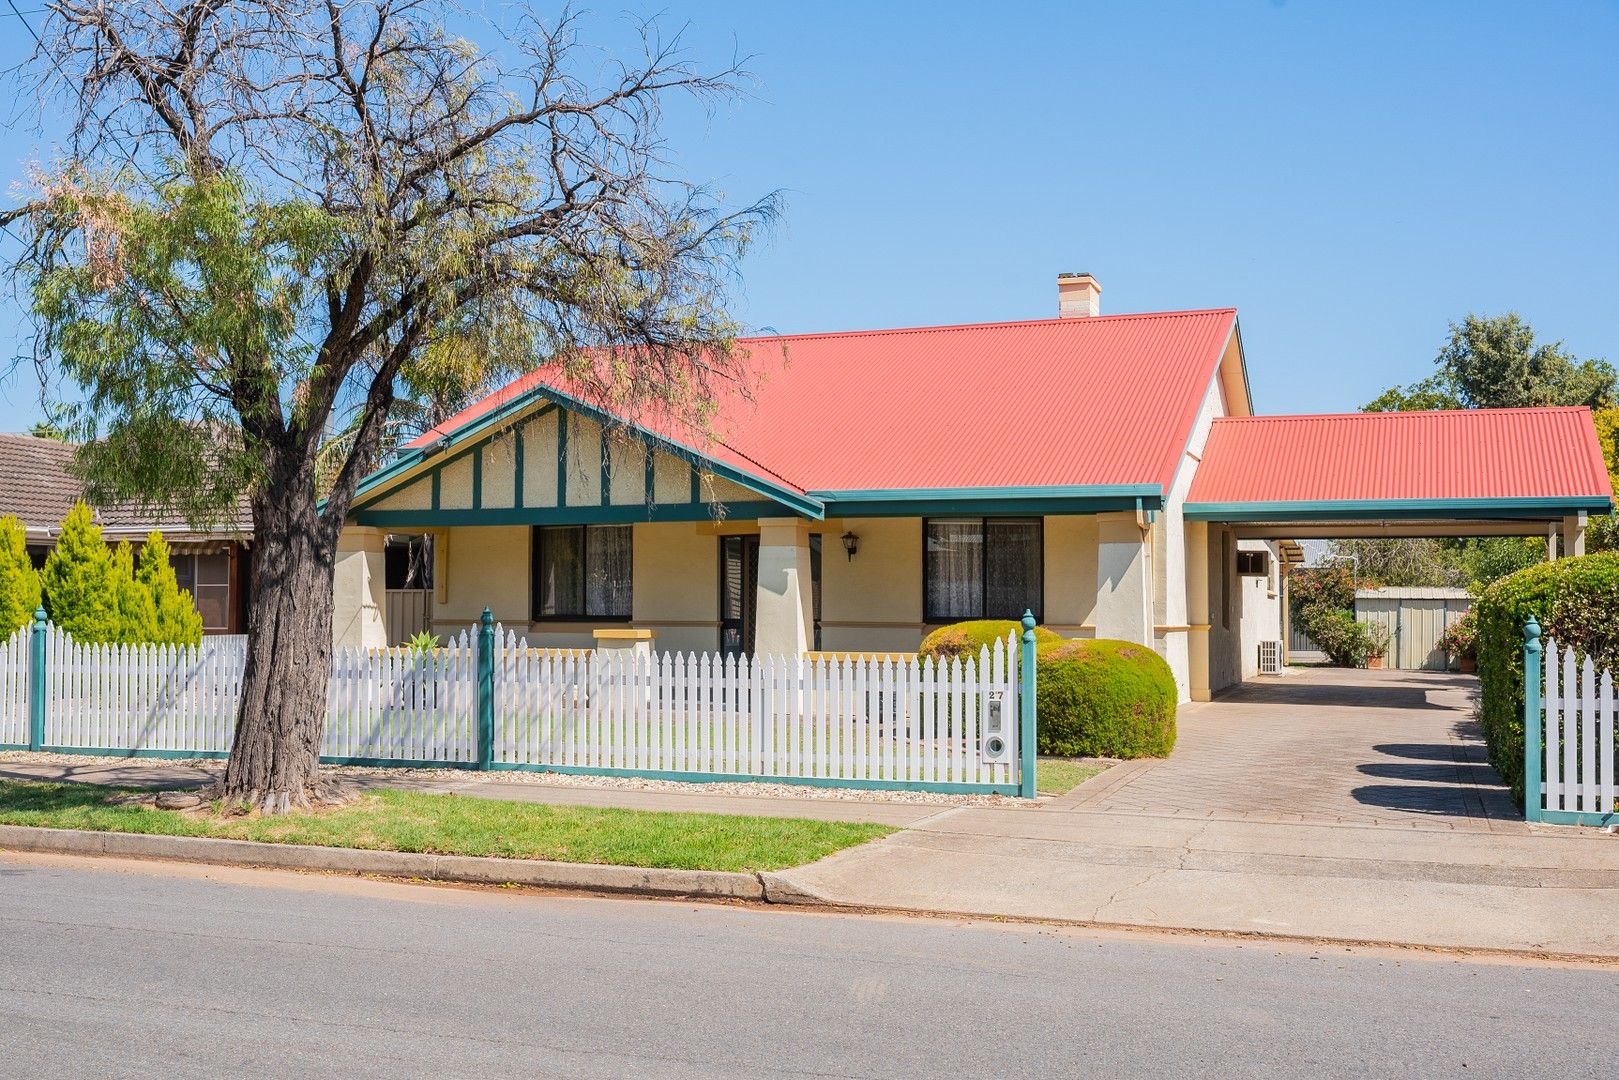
x: 1225, y: 610
x: 1071, y: 575
x: 873, y: 601
x: 677, y: 585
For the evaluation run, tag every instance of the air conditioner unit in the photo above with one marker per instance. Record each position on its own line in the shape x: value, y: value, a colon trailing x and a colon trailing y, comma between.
x: 1270, y: 657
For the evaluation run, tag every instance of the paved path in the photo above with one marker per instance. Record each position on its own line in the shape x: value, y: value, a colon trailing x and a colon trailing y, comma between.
x: 1321, y: 804
x: 143, y: 970
x: 1393, y: 748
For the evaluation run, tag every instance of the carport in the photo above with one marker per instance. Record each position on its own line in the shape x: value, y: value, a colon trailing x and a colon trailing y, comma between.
x: 1470, y: 473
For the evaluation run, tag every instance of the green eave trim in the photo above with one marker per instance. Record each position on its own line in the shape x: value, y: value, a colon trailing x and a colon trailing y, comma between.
x: 622, y: 514
x: 1307, y: 510
x: 1075, y: 499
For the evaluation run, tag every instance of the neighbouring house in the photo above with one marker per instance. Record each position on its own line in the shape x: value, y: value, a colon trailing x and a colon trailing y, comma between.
x: 215, y: 565
x: 1103, y: 472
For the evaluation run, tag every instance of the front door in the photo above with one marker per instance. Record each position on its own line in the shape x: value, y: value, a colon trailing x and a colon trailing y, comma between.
x: 739, y: 584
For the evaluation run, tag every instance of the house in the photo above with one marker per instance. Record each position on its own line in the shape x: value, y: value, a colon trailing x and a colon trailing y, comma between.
x: 1102, y: 471
x: 39, y: 488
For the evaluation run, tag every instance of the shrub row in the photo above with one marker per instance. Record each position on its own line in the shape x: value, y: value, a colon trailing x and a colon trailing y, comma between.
x: 1576, y: 602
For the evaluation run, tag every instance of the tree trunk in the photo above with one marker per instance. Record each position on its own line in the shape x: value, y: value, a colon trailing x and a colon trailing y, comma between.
x: 275, y: 755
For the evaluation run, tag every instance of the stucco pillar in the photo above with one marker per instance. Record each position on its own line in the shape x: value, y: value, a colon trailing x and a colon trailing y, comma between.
x: 359, y: 583
x: 1574, y: 535
x: 784, y: 614
x: 1197, y: 609
x: 1551, y: 542
x: 1123, y: 579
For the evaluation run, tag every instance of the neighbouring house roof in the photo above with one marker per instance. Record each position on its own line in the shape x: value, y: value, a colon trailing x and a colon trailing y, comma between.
x: 39, y: 487
x: 1103, y: 404
x: 1478, y: 462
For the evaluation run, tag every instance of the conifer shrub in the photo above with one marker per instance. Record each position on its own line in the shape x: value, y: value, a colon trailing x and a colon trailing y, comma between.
x: 19, y: 581
x: 178, y: 622
x: 80, y: 580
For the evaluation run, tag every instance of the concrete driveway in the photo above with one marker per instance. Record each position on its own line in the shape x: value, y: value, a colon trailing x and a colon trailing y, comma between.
x: 1397, y: 748
x: 1351, y: 805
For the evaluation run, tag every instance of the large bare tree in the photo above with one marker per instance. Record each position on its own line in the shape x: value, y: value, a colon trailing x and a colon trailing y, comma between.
x: 276, y: 219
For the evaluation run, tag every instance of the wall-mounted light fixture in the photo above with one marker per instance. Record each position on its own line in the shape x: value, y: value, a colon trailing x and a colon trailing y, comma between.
x: 851, y: 544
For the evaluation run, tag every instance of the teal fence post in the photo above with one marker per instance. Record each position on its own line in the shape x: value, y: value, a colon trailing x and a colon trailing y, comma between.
x: 1533, y: 728
x: 36, y: 681
x: 486, y: 690
x: 1025, y: 707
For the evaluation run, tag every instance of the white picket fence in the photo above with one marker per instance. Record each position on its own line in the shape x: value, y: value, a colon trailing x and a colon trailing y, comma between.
x: 885, y: 719
x: 866, y: 720
x: 401, y: 705
x: 14, y: 689
x: 1578, y: 734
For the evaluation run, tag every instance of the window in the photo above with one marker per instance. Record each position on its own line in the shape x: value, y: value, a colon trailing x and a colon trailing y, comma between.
x: 1252, y: 564
x: 981, y: 568
x: 582, y: 572
x: 408, y: 562
x: 207, y: 578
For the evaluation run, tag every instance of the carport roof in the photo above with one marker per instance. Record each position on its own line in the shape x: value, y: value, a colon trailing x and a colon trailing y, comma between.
x: 1475, y: 464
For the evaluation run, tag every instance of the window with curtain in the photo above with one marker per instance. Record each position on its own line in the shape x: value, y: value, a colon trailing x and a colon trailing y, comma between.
x: 582, y: 572
x: 981, y: 568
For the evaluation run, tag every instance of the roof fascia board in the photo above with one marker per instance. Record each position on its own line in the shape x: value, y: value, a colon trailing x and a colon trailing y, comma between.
x: 1075, y: 499
x: 565, y: 515
x: 1405, y: 509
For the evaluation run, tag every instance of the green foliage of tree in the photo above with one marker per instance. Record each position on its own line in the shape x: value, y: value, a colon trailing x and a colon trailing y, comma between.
x: 1321, y: 602
x: 19, y: 581
x: 1401, y: 563
x: 1602, y: 533
x: 80, y: 580
x: 137, y: 614
x: 1493, y: 362
x: 176, y: 618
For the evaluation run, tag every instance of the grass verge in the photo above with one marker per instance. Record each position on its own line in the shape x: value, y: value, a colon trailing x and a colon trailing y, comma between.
x: 461, y: 825
x: 1059, y: 776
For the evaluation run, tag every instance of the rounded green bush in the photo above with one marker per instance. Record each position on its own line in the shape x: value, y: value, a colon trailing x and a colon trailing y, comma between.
x: 1104, y: 699
x: 1576, y: 602
x: 966, y: 638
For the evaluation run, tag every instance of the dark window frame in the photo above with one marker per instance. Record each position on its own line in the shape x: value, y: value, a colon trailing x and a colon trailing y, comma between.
x: 933, y: 618
x: 535, y: 560
x: 1250, y: 557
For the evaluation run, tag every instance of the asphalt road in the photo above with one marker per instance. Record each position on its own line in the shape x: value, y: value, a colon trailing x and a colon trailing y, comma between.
x: 129, y: 969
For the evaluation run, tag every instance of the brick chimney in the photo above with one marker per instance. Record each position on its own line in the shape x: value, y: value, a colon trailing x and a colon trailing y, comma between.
x: 1078, y: 295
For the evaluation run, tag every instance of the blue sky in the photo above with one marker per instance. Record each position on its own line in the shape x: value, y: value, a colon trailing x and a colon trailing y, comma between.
x: 1350, y: 176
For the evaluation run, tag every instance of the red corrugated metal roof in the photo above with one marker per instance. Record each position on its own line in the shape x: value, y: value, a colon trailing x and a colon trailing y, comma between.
x: 1047, y: 403
x: 1544, y: 453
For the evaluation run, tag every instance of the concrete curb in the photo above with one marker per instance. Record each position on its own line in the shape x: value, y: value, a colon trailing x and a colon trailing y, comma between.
x: 462, y: 869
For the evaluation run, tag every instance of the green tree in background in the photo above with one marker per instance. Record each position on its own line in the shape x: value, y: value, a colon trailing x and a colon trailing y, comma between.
x: 1493, y: 362
x: 178, y: 621
x: 79, y: 580
x: 137, y: 614
x: 19, y: 582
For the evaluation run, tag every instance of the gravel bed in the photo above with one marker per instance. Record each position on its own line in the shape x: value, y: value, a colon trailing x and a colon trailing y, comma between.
x: 451, y: 778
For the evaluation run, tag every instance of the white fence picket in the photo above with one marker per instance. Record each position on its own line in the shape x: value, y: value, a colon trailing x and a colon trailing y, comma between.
x: 14, y: 688
x: 1578, y: 731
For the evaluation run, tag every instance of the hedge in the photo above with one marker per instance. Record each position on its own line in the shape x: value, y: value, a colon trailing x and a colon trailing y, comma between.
x: 1104, y: 699
x: 1577, y: 603
x: 966, y: 638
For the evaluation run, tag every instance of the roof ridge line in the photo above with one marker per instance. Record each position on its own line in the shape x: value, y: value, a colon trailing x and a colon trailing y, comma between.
x: 1001, y: 325
x: 1402, y: 412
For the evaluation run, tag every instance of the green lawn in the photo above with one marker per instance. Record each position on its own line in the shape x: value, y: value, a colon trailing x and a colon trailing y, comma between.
x: 459, y: 825
x: 1059, y: 776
